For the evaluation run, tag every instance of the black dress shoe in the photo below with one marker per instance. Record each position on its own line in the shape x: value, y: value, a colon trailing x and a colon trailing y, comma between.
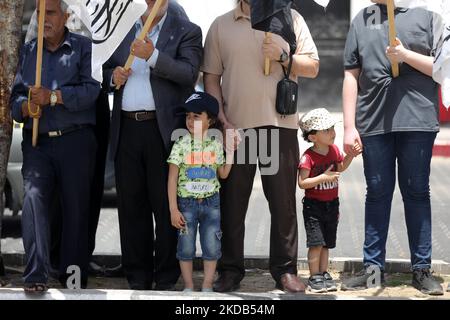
x: 96, y: 270
x: 2, y: 267
x: 226, y: 283
x: 2, y: 273
x: 114, y: 272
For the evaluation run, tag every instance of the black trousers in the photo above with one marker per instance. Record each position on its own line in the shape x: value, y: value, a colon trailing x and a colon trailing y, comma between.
x: 67, y: 163
x: 101, y: 131
x: 148, y: 253
x: 279, y: 190
x: 102, y: 134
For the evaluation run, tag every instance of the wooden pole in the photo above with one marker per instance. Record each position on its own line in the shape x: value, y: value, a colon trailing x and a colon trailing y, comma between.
x: 267, y: 60
x: 392, y: 33
x: 40, y: 47
x: 144, y: 32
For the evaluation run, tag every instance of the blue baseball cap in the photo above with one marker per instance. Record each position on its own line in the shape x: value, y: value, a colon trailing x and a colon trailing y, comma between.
x: 199, y: 102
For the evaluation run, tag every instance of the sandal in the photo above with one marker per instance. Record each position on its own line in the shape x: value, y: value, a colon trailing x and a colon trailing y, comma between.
x: 35, y: 287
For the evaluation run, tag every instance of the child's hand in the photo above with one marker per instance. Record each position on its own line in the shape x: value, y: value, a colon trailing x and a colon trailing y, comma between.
x: 232, y: 138
x: 356, y: 150
x: 229, y: 148
x: 177, y: 219
x: 229, y: 157
x: 330, y: 176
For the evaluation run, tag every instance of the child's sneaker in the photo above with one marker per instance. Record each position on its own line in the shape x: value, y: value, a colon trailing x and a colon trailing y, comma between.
x: 316, y: 283
x: 330, y: 284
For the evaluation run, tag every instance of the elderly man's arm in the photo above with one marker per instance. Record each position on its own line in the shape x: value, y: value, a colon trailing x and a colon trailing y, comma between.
x: 82, y: 95
x: 184, y: 68
x: 304, y: 66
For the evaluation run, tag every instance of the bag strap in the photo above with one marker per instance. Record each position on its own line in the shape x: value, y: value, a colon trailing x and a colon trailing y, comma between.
x: 288, y: 73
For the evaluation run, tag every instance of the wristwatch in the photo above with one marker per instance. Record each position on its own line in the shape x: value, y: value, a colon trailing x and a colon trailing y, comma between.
x: 283, y: 57
x: 53, y: 98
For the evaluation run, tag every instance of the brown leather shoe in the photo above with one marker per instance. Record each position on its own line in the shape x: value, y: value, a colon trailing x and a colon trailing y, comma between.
x: 290, y: 283
x: 226, y: 283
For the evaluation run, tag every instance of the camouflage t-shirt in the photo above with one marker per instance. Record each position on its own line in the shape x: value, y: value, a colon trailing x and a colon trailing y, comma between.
x: 198, y: 162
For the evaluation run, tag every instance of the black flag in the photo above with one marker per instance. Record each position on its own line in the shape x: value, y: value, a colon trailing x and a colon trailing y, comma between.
x: 274, y: 16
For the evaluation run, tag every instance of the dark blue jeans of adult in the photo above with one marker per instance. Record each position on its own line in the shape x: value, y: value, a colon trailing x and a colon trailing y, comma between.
x: 66, y: 163
x: 412, y: 152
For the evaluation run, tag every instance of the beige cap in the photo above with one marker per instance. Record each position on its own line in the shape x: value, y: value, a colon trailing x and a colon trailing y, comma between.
x: 317, y: 119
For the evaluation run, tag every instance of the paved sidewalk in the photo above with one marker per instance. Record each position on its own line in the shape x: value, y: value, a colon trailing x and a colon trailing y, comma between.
x: 257, y: 285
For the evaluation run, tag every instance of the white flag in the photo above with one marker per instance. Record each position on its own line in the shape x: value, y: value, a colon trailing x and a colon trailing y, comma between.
x: 323, y: 3
x: 441, y: 29
x: 109, y: 21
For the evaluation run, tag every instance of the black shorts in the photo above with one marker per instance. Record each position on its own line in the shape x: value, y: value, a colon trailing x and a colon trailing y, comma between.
x: 321, y: 220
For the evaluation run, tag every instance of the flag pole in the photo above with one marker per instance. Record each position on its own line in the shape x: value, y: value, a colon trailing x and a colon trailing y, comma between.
x: 40, y: 43
x: 267, y: 60
x: 392, y: 33
x: 144, y: 32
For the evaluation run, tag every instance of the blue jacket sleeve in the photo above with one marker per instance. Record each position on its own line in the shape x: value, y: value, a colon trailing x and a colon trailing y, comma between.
x: 82, y: 95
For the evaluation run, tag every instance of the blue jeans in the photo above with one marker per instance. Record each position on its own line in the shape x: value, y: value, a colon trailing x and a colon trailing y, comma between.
x: 412, y: 151
x: 205, y: 214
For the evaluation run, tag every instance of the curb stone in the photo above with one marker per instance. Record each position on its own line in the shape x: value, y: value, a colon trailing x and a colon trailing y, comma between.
x: 344, y: 264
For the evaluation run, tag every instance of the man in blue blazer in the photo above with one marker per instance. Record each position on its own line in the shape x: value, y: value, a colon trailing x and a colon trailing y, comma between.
x: 162, y: 77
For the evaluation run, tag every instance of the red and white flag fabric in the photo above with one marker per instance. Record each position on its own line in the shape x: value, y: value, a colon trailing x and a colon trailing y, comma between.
x: 109, y: 21
x: 441, y: 29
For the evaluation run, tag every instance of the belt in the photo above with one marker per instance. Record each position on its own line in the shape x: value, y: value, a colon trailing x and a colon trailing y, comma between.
x: 139, y: 115
x: 200, y: 200
x: 59, y: 133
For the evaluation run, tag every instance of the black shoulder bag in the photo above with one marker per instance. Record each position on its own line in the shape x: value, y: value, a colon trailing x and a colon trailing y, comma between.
x: 287, y: 93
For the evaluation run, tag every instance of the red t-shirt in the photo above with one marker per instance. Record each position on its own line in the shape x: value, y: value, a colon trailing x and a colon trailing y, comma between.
x: 318, y: 164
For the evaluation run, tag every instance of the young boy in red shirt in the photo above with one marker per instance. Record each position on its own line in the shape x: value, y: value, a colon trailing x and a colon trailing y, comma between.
x: 319, y: 171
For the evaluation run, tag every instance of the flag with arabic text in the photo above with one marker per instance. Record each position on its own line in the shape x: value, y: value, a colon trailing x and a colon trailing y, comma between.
x: 109, y: 21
